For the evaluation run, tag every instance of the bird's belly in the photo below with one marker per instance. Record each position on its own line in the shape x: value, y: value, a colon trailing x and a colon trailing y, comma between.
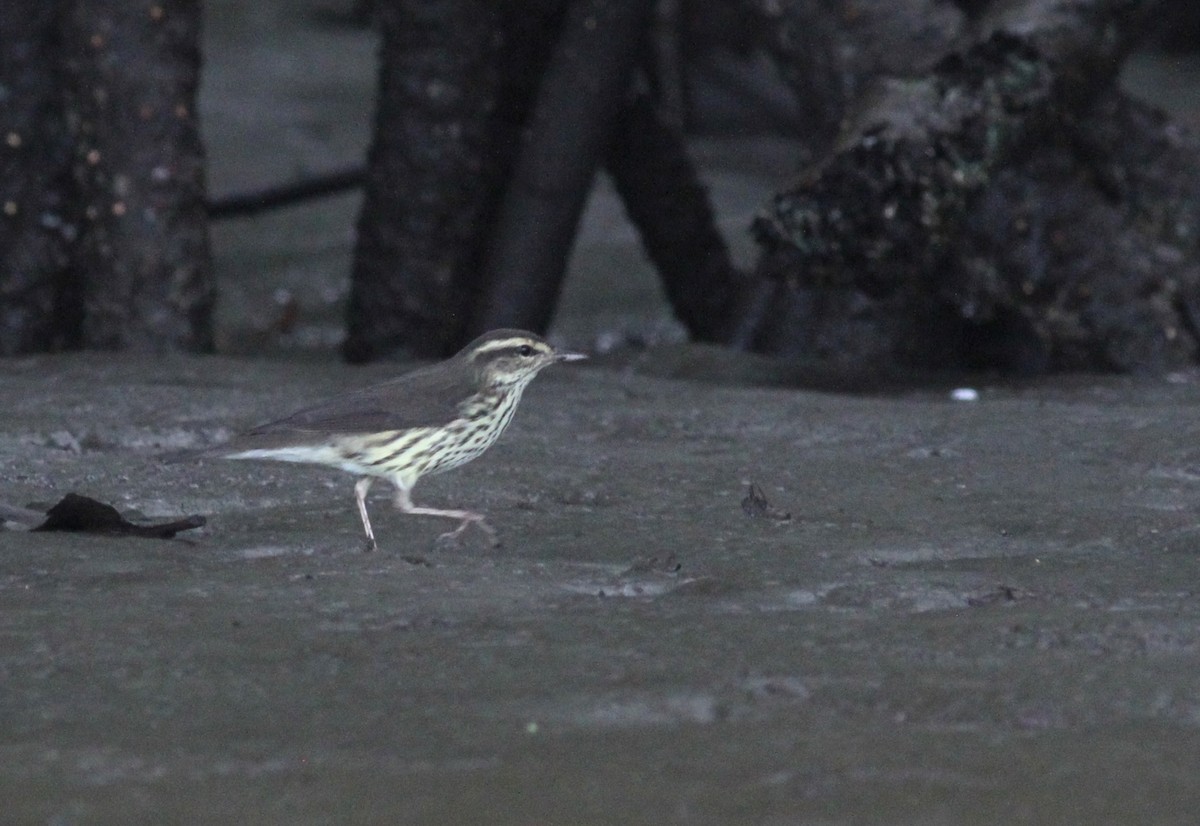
x: 408, y: 456
x: 458, y: 448
x: 402, y: 456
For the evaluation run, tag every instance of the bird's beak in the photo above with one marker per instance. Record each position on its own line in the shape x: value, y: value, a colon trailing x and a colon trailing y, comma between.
x: 566, y: 355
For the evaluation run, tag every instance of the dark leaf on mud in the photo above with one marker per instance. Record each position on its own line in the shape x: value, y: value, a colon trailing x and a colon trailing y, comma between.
x: 86, y: 515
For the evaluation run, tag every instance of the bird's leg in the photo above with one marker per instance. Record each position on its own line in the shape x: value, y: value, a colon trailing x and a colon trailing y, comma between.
x: 405, y: 504
x: 360, y: 496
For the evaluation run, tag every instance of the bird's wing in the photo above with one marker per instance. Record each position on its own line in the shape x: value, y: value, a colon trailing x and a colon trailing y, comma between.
x: 423, y: 398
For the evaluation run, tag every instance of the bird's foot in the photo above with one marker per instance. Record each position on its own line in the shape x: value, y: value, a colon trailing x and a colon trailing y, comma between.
x: 369, y: 545
x: 451, y: 537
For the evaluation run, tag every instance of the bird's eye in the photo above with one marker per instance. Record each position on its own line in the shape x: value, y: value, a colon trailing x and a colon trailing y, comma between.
x: 525, y: 351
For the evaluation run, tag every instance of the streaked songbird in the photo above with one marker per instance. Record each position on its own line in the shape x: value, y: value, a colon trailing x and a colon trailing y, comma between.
x: 428, y: 421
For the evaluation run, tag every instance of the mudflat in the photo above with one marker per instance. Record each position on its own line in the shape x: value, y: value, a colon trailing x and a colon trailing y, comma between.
x: 978, y: 611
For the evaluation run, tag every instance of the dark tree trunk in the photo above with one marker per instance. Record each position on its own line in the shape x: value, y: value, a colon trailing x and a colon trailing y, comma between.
x: 568, y: 132
x: 664, y: 199
x: 38, y: 309
x: 431, y: 173
x: 526, y: 103
x: 131, y: 72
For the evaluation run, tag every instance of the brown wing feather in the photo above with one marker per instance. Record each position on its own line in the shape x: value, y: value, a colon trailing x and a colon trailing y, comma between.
x: 422, y: 398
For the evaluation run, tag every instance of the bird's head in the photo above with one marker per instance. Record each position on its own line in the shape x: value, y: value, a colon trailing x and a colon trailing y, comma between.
x: 512, y: 357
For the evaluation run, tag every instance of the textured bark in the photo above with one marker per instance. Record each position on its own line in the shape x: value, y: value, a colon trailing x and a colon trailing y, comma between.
x: 38, y: 310
x: 570, y: 127
x: 131, y: 72
x: 431, y: 176
x: 669, y: 206
x: 1011, y: 209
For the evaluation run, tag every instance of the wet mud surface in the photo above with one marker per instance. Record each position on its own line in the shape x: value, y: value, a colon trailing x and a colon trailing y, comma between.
x: 977, y: 611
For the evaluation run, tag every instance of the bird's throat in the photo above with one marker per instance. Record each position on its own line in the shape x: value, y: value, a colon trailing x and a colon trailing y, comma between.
x: 491, y: 402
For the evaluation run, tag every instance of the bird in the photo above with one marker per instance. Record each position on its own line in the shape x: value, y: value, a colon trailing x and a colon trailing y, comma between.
x: 427, y: 421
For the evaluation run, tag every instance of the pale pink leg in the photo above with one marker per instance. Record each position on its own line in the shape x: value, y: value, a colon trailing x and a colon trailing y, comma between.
x: 360, y: 496
x: 405, y: 505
